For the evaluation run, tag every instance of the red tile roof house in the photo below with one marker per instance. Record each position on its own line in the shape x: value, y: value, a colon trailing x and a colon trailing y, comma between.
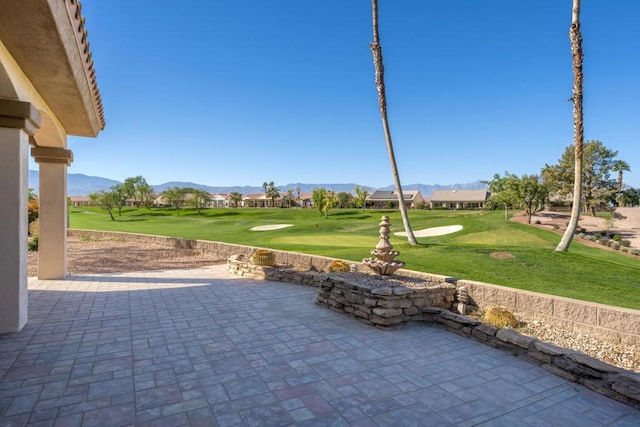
x: 389, y: 199
x: 459, y: 199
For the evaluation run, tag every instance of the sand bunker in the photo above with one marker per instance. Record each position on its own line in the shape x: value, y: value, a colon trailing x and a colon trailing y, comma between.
x: 270, y: 227
x: 433, y: 231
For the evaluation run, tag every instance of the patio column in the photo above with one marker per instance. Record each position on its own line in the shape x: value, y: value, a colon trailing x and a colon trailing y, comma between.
x: 18, y: 121
x: 52, y: 243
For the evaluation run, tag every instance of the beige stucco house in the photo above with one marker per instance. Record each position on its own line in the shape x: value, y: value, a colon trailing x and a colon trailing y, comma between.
x: 48, y: 91
x: 385, y: 199
x: 459, y: 199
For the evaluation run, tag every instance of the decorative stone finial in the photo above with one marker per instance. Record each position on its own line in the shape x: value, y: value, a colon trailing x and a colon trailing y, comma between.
x: 383, y: 262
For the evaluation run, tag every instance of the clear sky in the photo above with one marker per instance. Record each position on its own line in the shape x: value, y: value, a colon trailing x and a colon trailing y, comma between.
x: 246, y: 91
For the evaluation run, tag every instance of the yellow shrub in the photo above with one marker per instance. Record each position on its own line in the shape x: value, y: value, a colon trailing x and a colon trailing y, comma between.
x: 339, y: 266
x: 500, y: 318
x: 263, y: 257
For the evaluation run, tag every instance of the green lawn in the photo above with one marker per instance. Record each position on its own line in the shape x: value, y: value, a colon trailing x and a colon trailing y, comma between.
x: 585, y: 273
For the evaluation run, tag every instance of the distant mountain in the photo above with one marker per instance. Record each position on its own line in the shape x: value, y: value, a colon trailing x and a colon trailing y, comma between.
x: 81, y: 185
x: 77, y: 183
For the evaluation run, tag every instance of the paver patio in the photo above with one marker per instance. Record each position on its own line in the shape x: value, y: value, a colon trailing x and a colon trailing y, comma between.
x: 204, y: 347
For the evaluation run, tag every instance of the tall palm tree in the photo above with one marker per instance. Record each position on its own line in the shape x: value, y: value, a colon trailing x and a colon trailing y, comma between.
x: 578, y: 126
x: 620, y: 166
x: 265, y: 185
x: 376, y: 49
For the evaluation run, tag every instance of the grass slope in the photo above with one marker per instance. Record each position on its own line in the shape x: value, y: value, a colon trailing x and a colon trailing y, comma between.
x: 585, y: 273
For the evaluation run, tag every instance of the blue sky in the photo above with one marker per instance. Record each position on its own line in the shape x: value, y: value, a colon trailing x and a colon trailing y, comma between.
x: 246, y: 91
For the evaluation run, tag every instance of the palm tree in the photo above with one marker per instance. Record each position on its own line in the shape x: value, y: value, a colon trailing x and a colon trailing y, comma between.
x: 235, y: 197
x: 376, y: 49
x: 620, y: 166
x: 578, y: 126
x: 265, y: 185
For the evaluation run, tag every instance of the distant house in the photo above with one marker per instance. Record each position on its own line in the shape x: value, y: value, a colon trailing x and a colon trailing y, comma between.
x: 255, y: 200
x: 219, y: 201
x: 459, y: 199
x: 80, y: 201
x: 389, y: 199
x: 304, y: 200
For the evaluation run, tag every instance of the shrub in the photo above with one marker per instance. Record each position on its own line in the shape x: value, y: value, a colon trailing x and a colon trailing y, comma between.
x: 538, y: 222
x: 597, y: 236
x: 33, y: 227
x: 624, y: 249
x: 555, y: 226
x: 635, y: 252
x: 32, y: 245
x: 625, y: 243
x: 263, y: 257
x: 581, y: 235
x: 617, y: 237
x: 614, y: 245
x: 339, y: 266
x: 33, y: 210
x: 500, y: 318
x: 603, y: 241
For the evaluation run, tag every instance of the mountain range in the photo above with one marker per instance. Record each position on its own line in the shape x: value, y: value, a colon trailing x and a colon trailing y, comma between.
x: 82, y: 185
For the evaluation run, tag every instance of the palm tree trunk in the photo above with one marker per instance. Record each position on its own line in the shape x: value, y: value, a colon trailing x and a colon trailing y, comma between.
x: 376, y: 49
x: 578, y: 126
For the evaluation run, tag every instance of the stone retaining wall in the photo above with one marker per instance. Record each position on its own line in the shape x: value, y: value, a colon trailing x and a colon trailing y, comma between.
x: 616, y: 324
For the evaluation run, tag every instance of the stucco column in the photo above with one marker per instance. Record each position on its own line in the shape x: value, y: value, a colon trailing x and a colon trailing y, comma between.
x: 52, y: 243
x: 18, y: 121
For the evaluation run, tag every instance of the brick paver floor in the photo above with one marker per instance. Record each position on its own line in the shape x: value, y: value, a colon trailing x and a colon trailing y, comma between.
x: 203, y: 347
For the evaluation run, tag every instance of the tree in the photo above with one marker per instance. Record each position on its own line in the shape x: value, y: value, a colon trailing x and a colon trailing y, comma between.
x: 272, y: 193
x: 324, y: 200
x: 199, y: 198
x: 503, y: 192
x: 343, y: 199
x: 575, y: 36
x: 376, y: 50
x: 176, y: 197
x: 597, y: 186
x: 119, y: 197
x: 527, y: 192
x: 107, y: 199
x: 236, y: 198
x: 620, y: 166
x: 265, y: 186
x: 361, y: 197
x: 630, y: 197
x: 139, y: 190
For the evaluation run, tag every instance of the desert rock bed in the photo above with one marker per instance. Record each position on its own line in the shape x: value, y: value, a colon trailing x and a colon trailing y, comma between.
x: 105, y: 255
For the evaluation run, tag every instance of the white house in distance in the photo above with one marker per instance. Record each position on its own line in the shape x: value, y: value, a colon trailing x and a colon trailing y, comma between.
x: 380, y: 199
x: 48, y: 91
x: 459, y: 199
